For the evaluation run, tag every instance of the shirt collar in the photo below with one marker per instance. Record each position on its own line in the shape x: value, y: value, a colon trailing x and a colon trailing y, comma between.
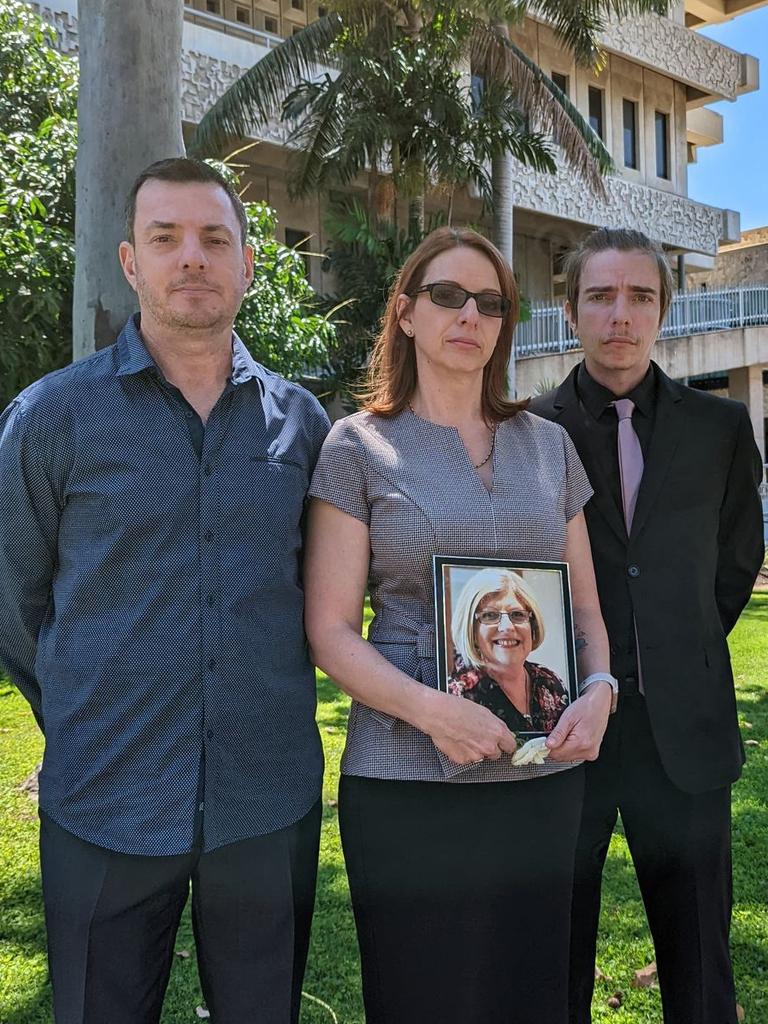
x: 133, y: 357
x: 598, y: 398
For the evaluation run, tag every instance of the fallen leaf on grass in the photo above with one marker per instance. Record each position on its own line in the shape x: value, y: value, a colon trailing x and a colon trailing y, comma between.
x: 740, y: 1014
x: 747, y: 725
x: 202, y: 1013
x: 182, y: 954
x: 751, y: 743
x: 646, y: 976
x: 615, y: 1001
x: 599, y: 976
x: 332, y: 803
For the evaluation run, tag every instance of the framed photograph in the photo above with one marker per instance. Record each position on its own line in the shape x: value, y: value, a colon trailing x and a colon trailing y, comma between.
x: 505, y: 638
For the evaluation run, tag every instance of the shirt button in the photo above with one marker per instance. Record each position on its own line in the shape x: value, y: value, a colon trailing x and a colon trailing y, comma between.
x: 209, y: 734
x: 210, y: 599
x: 208, y: 535
x: 212, y: 665
x: 633, y: 571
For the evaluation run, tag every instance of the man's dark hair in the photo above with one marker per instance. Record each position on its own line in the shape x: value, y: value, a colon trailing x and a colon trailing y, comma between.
x: 183, y: 171
x: 624, y: 240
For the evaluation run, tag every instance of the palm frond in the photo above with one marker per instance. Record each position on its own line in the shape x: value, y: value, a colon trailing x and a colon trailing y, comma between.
x: 543, y: 103
x: 258, y: 95
x: 578, y: 23
x: 317, y: 138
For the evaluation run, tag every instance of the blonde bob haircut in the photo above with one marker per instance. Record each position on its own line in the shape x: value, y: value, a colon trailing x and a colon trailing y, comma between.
x: 391, y: 377
x: 490, y: 583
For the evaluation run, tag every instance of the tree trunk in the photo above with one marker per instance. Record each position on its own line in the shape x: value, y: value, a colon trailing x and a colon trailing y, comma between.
x: 502, y: 179
x: 416, y: 216
x: 502, y: 185
x: 129, y: 115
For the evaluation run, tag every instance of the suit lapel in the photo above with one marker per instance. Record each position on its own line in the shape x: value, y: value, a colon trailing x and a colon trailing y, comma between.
x: 572, y: 415
x: 667, y: 429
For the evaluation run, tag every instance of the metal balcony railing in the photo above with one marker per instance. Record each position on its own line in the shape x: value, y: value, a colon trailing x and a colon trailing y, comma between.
x: 695, y: 312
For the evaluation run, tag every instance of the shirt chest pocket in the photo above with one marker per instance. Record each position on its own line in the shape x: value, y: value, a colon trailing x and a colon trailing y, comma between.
x: 265, y: 496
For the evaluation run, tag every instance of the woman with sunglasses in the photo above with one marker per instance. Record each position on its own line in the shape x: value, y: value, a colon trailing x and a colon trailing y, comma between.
x: 495, y: 625
x: 439, y: 460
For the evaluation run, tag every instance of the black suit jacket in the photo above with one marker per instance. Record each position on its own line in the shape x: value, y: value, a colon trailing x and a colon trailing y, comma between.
x: 685, y: 572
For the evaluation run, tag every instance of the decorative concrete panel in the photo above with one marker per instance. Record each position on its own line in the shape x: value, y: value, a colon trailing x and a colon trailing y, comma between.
x: 204, y: 79
x: 666, y: 217
x: 678, y: 52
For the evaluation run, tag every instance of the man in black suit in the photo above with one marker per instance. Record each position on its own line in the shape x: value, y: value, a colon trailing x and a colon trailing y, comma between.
x: 675, y: 562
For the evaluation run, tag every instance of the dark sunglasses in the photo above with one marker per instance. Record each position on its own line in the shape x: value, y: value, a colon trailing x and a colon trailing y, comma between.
x: 453, y: 297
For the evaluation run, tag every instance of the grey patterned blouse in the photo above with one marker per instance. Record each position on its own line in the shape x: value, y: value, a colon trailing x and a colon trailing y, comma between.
x: 413, y: 484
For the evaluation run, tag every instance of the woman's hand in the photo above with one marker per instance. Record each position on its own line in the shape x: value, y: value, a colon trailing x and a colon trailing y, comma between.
x: 579, y: 733
x: 466, y: 732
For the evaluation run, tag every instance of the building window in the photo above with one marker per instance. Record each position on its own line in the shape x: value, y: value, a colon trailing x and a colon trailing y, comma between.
x: 270, y: 25
x: 299, y: 240
x: 596, y: 118
x: 629, y: 109
x: 243, y: 15
x: 561, y: 81
x: 322, y: 11
x: 213, y: 6
x: 296, y: 29
x: 662, y: 145
x: 297, y: 5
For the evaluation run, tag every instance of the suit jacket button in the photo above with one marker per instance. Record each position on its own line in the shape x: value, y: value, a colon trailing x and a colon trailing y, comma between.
x: 633, y: 571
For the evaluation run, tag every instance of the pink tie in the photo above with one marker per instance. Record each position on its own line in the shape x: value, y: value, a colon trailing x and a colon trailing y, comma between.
x: 630, y: 458
x: 631, y: 473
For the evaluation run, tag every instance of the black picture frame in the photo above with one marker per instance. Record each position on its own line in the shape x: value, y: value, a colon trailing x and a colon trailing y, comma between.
x: 540, y: 588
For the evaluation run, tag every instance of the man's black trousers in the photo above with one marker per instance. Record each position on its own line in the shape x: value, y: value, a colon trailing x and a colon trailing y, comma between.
x: 112, y: 921
x: 681, y: 849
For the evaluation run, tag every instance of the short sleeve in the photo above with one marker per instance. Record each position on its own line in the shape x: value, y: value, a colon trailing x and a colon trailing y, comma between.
x: 578, y: 489
x: 341, y: 473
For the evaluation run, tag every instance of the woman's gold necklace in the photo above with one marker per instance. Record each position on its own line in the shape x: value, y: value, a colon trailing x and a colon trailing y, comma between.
x: 477, y: 465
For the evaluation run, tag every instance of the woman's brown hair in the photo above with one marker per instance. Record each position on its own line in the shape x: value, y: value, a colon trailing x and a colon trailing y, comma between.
x: 391, y: 377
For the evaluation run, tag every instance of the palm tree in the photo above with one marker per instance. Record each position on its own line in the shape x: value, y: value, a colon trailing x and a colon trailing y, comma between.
x: 397, y: 104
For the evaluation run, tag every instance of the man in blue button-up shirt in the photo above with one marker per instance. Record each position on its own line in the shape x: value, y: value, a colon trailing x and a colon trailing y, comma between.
x: 151, y: 500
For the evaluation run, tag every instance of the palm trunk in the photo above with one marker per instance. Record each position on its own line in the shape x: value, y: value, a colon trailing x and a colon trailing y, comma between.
x: 416, y: 181
x: 502, y: 185
x: 129, y: 115
x: 416, y: 216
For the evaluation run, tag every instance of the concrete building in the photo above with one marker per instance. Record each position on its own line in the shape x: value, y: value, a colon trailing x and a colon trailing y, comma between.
x: 648, y: 104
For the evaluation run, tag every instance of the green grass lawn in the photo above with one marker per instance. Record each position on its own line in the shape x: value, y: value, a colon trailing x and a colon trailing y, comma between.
x: 332, y: 982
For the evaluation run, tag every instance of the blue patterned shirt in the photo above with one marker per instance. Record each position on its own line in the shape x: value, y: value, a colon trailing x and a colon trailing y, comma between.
x: 151, y: 603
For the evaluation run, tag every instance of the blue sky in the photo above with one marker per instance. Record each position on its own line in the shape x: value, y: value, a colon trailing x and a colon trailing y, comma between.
x: 735, y: 174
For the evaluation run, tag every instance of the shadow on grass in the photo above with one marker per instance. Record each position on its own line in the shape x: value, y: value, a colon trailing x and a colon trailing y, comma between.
x: 22, y: 935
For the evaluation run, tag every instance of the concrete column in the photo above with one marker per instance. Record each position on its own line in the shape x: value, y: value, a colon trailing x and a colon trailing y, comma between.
x: 745, y: 384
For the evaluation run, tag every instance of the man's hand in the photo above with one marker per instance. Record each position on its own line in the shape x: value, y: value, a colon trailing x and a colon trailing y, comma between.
x: 467, y: 732
x: 578, y: 734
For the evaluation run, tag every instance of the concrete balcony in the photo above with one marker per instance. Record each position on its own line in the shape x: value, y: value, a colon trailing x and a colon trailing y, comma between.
x: 673, y: 220
x: 704, y: 127
x: 712, y: 12
x: 215, y: 54
x: 710, y: 70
